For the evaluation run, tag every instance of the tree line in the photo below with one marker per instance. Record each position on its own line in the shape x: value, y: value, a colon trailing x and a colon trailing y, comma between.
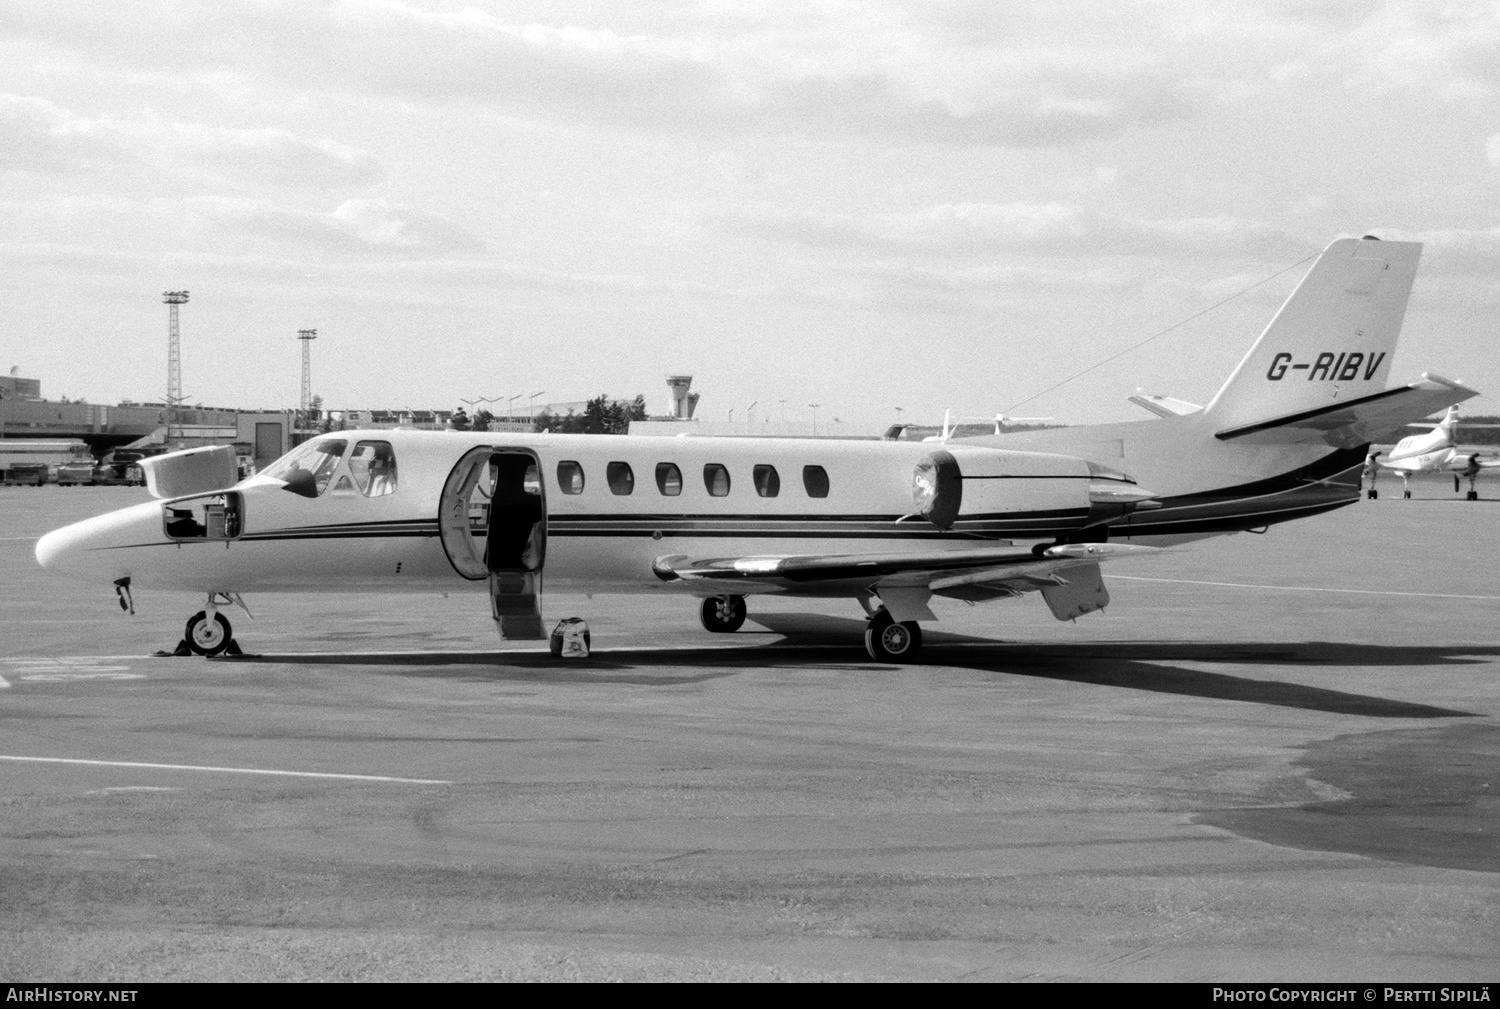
x: 601, y: 415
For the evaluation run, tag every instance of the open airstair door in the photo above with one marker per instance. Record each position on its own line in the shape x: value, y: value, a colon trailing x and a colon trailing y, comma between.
x: 493, y: 521
x: 517, y: 544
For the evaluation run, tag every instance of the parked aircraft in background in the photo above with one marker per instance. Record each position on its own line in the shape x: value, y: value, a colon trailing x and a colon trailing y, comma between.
x: 890, y: 524
x: 1437, y: 450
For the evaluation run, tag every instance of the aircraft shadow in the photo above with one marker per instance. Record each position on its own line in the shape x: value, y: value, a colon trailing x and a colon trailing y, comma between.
x: 801, y: 640
x: 1149, y: 665
x: 523, y: 667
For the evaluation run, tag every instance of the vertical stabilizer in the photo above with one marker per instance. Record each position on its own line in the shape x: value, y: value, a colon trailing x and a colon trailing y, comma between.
x: 1333, y: 339
x: 1449, y: 425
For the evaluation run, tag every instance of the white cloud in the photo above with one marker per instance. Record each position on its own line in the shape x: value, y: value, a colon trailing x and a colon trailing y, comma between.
x: 39, y: 136
x: 983, y: 229
x: 877, y: 75
x: 355, y: 226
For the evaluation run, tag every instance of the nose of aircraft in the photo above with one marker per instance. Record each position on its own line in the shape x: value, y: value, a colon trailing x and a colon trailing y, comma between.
x: 97, y: 548
x: 52, y: 548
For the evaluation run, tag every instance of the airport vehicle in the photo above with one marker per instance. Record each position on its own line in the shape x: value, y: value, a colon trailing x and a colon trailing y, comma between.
x: 121, y: 468
x: 27, y: 474
x: 48, y: 453
x: 890, y: 524
x: 83, y: 472
x: 1437, y: 450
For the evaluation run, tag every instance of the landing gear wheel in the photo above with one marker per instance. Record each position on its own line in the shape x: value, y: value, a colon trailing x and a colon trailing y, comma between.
x: 1473, y: 495
x: 888, y: 641
x: 1374, y: 493
x: 205, y: 636
x: 722, y: 614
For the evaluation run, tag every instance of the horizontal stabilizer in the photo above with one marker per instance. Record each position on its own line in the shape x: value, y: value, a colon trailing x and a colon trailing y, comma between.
x: 1354, y: 422
x: 1164, y: 406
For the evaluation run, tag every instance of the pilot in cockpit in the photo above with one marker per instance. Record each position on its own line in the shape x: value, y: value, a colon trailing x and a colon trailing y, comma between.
x: 382, y: 471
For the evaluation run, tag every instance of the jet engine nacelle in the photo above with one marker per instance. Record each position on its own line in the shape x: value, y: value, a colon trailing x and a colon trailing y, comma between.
x: 979, y: 483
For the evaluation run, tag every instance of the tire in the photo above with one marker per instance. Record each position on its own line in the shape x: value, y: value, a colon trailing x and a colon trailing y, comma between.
x: 888, y: 641
x: 207, y: 637
x: 722, y: 614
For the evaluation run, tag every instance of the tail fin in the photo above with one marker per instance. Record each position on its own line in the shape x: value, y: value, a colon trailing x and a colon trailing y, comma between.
x: 1449, y: 424
x: 1333, y: 339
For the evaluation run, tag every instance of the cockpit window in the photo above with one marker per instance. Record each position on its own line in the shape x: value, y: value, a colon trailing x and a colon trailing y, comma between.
x: 373, y: 464
x: 307, y: 469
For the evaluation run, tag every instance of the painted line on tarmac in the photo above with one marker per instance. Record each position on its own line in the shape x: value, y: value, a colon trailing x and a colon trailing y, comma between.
x: 75, y: 659
x: 226, y: 770
x: 1300, y: 588
x: 537, y: 650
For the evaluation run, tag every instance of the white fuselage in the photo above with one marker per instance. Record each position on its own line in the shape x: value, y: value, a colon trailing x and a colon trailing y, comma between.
x: 601, y: 534
x: 1423, y: 452
x: 699, y: 497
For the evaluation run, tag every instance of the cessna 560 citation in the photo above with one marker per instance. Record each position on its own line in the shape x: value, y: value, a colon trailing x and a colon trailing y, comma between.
x: 889, y: 524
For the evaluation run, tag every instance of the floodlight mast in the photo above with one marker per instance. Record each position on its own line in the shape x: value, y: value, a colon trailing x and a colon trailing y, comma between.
x: 307, y: 336
x: 174, y: 361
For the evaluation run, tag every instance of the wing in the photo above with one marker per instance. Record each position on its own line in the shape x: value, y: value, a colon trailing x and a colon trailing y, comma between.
x: 1067, y: 575
x: 1464, y: 461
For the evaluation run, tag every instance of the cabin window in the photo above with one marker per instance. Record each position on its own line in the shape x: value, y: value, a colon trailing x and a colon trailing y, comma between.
x: 815, y: 479
x: 570, y: 477
x: 716, y: 479
x: 309, y: 468
x: 668, y: 479
x: 767, y: 482
x: 621, y: 478
x: 373, y: 466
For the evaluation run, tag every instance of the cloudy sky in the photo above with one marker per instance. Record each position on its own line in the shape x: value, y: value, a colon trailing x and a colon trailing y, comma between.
x: 933, y: 204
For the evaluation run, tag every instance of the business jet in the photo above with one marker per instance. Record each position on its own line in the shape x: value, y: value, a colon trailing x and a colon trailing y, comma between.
x: 888, y: 524
x: 1437, y: 450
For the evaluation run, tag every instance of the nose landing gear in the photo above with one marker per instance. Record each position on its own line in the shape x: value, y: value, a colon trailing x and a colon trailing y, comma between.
x: 207, y: 635
x: 208, y: 631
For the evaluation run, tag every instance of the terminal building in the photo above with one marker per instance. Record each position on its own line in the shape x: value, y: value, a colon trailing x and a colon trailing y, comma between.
x: 259, y: 436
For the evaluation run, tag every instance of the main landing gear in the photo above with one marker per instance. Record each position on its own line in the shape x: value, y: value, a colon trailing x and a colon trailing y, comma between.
x: 722, y: 614
x: 889, y: 641
x: 886, y: 639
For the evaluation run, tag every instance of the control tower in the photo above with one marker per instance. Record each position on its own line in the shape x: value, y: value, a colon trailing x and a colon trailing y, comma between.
x: 682, y: 402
